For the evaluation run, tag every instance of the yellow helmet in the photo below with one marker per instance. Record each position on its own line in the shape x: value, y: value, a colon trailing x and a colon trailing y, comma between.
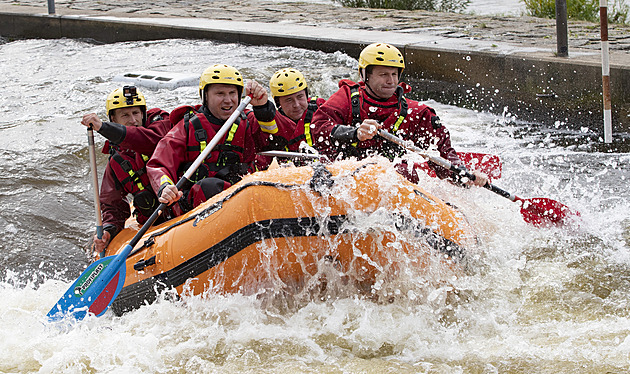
x: 287, y: 81
x: 220, y: 74
x: 125, y: 97
x: 381, y: 54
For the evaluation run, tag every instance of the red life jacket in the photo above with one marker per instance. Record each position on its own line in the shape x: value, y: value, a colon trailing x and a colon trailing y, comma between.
x: 391, y: 123
x: 155, y: 114
x: 129, y: 169
x: 225, y: 161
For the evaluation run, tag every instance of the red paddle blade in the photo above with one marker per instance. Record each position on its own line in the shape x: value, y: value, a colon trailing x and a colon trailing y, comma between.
x: 543, y: 212
x: 490, y: 165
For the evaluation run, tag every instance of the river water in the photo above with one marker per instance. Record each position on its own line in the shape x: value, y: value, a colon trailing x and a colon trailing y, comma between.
x: 550, y: 300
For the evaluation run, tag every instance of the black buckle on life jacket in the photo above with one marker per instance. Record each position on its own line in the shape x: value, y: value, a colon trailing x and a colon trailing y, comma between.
x: 201, y: 135
x: 126, y: 165
x: 404, y: 106
x: 356, y: 107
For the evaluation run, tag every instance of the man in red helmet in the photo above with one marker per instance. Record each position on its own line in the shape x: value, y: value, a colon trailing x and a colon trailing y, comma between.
x: 220, y: 88
x: 132, y: 134
x: 290, y: 93
x: 350, y: 119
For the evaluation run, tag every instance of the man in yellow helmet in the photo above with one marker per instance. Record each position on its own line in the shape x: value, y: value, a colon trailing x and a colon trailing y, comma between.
x: 290, y: 93
x: 220, y: 89
x: 350, y: 119
x: 132, y: 134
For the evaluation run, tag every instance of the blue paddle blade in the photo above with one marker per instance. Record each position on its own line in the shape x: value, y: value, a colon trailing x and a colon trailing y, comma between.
x: 94, y: 291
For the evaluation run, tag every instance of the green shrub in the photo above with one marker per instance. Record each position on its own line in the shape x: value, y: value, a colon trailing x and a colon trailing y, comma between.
x: 618, y: 11
x: 434, y: 5
x: 586, y: 10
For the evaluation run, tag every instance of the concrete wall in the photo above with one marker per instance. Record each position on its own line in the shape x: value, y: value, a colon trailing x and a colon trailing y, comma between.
x: 547, y: 90
x: 553, y: 91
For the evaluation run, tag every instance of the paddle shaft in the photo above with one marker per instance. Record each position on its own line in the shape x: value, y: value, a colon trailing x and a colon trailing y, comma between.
x: 461, y: 171
x: 186, y: 177
x: 288, y: 154
x: 292, y: 154
x: 100, y: 283
x: 97, y: 200
x: 122, y: 256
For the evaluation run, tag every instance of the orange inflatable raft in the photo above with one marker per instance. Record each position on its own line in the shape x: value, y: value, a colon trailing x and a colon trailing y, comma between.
x: 276, y: 228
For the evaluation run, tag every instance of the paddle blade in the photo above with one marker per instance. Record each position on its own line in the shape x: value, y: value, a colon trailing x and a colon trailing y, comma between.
x: 93, y: 291
x: 490, y: 165
x: 543, y: 212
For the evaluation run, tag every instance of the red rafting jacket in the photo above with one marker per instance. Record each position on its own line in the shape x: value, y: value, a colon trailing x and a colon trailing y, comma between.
x: 297, y: 133
x: 420, y: 124
x: 135, y: 146
x: 174, y: 153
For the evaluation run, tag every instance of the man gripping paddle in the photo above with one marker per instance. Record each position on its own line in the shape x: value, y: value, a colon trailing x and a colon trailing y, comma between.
x: 101, y: 282
x: 350, y: 119
x: 132, y: 134
x: 220, y: 88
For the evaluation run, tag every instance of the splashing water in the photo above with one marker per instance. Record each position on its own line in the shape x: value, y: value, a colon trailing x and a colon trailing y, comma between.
x: 547, y: 300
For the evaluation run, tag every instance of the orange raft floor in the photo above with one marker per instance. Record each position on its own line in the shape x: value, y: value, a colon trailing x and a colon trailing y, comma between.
x: 277, y: 228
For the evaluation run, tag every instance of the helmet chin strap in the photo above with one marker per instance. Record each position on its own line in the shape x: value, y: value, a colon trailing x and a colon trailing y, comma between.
x: 373, y: 93
x: 367, y: 85
x: 371, y: 90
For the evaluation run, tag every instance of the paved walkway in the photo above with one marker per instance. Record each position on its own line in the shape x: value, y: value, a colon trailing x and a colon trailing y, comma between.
x: 524, y: 31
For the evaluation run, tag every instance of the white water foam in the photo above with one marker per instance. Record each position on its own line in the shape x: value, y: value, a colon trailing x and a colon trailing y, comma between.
x: 548, y: 300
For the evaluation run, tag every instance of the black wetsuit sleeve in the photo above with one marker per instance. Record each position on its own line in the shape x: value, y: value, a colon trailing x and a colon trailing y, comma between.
x: 113, y: 230
x: 114, y: 132
x: 265, y: 112
x: 345, y: 134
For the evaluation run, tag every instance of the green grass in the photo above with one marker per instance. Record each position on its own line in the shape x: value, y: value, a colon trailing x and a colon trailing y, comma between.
x: 433, y: 5
x: 585, y: 10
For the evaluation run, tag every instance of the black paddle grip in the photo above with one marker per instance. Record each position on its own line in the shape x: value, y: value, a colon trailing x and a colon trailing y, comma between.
x: 463, y: 172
